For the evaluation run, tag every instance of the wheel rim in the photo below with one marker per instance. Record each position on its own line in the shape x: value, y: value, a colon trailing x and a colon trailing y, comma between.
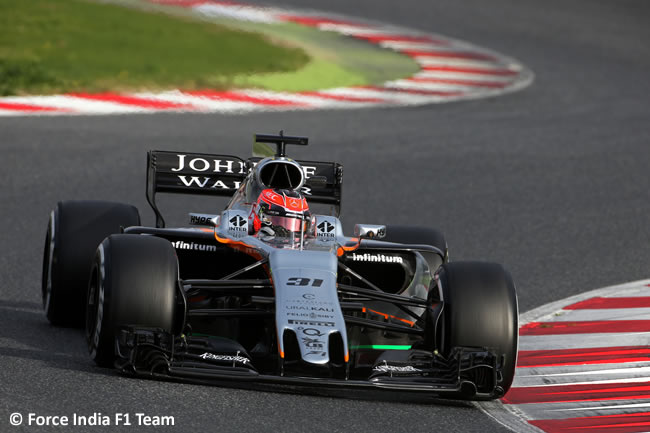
x: 48, y: 255
x: 95, y: 304
x: 91, y: 306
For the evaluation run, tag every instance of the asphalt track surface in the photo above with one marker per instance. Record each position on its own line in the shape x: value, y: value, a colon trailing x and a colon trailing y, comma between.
x: 553, y: 182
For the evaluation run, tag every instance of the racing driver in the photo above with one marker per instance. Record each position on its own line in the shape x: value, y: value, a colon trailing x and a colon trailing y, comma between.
x: 282, y: 213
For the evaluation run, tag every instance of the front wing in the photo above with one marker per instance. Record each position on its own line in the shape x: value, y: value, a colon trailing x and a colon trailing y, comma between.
x: 154, y: 353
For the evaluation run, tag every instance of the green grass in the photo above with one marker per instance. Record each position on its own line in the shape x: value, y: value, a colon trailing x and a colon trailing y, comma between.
x: 53, y: 46
x: 336, y: 60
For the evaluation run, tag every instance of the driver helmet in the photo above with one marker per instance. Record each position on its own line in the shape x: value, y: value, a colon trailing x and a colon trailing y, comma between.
x: 281, y: 212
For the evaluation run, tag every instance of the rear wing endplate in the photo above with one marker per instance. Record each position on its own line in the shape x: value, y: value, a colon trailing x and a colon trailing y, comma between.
x: 222, y: 175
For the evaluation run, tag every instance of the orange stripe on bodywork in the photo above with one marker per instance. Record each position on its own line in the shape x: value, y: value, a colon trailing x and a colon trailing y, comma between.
x: 229, y: 241
x: 346, y: 248
x: 386, y: 316
x: 240, y: 246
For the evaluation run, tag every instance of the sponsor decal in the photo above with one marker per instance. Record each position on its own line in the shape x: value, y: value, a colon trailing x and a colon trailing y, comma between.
x: 312, y: 316
x: 308, y: 170
x: 309, y: 301
x: 325, y: 230
x: 311, y: 323
x: 304, y: 307
x: 203, y: 220
x: 208, y: 182
x: 214, y: 165
x: 273, y: 197
x: 312, y: 332
x: 381, y: 258
x: 182, y: 245
x: 313, y: 343
x: 238, y: 224
x: 320, y: 316
x: 322, y: 354
x: 396, y: 369
x: 228, y: 358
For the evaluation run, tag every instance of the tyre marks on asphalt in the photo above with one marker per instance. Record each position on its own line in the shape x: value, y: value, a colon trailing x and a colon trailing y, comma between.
x: 584, y: 365
x: 450, y: 70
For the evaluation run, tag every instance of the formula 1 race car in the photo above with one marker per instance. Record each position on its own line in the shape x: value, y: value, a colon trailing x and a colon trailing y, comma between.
x: 269, y: 294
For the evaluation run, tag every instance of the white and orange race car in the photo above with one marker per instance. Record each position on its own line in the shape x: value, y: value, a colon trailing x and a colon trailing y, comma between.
x: 270, y: 294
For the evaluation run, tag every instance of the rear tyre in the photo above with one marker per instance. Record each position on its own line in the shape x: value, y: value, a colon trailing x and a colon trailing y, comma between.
x: 480, y: 309
x: 133, y: 281
x: 73, y: 233
x: 417, y: 235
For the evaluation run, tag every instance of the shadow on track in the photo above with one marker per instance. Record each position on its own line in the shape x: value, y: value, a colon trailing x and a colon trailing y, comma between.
x: 27, y: 334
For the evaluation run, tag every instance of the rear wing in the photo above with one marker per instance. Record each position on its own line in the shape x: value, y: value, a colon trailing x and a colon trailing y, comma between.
x: 222, y: 175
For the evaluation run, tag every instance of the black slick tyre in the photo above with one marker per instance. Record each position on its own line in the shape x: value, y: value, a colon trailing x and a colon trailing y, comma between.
x: 480, y: 310
x: 133, y: 281
x: 74, y: 231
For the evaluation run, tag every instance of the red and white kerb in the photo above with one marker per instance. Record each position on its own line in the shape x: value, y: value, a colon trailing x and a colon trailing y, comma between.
x: 583, y: 365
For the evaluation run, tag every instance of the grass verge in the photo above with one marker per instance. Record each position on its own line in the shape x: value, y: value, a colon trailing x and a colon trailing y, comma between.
x: 335, y: 60
x: 73, y: 45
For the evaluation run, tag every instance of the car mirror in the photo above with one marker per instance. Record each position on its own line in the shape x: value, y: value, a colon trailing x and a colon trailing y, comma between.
x: 369, y: 231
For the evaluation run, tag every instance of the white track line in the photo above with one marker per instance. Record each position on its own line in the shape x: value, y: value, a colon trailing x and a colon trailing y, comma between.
x: 463, y: 76
x: 468, y: 63
x: 603, y: 314
x: 396, y: 97
x: 243, y: 13
x: 602, y: 373
x: 584, y: 409
x: 351, y: 30
x: 441, y: 87
x: 548, y: 342
x: 203, y: 103
x: 74, y: 104
x: 417, y: 46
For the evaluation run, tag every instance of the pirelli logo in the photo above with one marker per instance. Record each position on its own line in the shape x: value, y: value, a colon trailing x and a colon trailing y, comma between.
x: 310, y: 323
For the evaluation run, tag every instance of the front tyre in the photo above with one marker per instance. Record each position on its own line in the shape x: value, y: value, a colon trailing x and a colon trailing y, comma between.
x: 133, y: 281
x: 480, y: 310
x: 73, y: 233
